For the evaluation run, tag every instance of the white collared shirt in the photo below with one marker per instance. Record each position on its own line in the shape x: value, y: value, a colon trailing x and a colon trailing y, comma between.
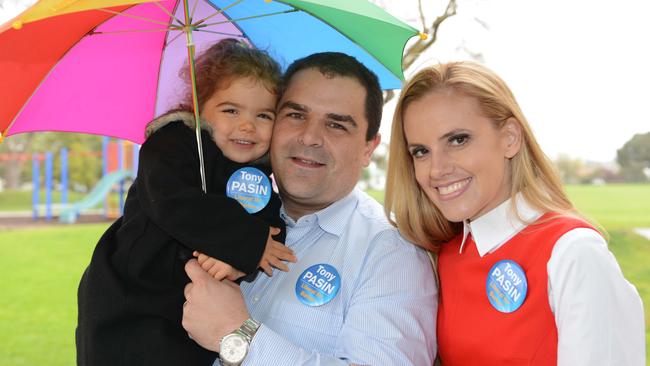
x: 598, y: 313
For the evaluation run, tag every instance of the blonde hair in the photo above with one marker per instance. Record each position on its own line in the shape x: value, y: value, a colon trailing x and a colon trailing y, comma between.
x: 533, y: 174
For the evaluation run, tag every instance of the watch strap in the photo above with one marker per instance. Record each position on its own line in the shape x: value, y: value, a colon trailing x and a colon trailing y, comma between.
x: 248, y: 329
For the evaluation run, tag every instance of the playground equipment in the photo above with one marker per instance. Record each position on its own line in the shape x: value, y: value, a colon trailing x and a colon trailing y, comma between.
x: 115, y: 158
x: 101, y: 190
x: 116, y: 168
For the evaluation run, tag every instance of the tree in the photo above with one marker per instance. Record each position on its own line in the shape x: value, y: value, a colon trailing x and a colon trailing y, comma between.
x: 84, y: 166
x: 13, y: 167
x: 416, y: 49
x: 634, y: 158
x: 569, y: 169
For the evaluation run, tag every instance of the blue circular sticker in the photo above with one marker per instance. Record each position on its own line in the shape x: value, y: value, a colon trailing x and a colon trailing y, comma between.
x: 506, y: 286
x: 318, y: 285
x: 250, y: 187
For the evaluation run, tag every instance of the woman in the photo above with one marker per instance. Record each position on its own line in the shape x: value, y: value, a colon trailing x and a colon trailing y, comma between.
x: 524, y: 280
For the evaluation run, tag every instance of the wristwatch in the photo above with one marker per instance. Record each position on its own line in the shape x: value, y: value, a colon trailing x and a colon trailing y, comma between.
x: 234, y: 346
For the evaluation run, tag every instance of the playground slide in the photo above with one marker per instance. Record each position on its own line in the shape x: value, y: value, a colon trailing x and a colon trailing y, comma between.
x: 97, y: 194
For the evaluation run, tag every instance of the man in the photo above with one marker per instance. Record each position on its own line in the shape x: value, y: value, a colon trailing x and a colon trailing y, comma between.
x: 358, y: 294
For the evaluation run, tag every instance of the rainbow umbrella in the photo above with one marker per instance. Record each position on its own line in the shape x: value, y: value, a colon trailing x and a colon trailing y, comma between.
x: 107, y: 67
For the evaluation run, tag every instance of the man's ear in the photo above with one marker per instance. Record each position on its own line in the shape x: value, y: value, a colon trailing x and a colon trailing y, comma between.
x: 512, y: 137
x: 371, y: 145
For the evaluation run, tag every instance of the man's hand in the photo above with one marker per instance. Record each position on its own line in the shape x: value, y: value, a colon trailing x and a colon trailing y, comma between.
x: 212, y: 308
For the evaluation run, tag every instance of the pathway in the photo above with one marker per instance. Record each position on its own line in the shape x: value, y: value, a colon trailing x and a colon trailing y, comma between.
x: 645, y: 232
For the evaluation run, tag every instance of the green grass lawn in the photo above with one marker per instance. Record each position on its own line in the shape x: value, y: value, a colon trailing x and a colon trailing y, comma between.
x: 615, y: 206
x: 40, y: 270
x: 22, y: 200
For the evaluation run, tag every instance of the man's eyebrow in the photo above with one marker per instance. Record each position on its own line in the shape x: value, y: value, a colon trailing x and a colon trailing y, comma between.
x: 294, y: 106
x: 343, y: 118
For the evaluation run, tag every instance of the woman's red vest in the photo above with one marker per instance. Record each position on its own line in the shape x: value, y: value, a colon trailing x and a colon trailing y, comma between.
x: 470, y: 330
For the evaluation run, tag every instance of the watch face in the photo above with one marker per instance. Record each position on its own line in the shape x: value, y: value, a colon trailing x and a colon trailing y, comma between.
x: 233, y: 348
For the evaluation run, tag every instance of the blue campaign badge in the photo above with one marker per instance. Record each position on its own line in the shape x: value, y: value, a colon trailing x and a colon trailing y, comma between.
x: 506, y: 286
x: 318, y: 285
x: 250, y: 187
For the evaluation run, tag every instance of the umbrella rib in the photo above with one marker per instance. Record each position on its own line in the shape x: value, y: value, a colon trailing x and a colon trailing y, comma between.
x: 218, y: 12
x: 93, y: 33
x: 196, y: 3
x: 173, y: 39
x: 237, y: 26
x: 132, y: 16
x: 221, y: 33
x: 168, y: 13
x: 247, y: 18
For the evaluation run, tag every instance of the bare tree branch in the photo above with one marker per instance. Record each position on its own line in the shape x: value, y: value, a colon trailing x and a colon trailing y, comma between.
x: 476, y: 56
x: 482, y: 23
x: 416, y: 49
x: 422, y: 20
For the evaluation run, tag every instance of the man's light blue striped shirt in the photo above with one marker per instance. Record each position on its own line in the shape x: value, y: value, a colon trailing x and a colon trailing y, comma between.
x: 384, y: 312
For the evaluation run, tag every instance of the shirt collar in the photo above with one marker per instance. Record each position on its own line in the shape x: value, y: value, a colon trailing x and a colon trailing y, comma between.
x: 496, y: 227
x: 332, y: 218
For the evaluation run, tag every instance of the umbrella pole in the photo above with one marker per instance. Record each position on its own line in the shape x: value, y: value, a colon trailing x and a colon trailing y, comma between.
x: 190, y: 55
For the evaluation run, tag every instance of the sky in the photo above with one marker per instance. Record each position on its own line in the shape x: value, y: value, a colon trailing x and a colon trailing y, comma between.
x: 579, y: 68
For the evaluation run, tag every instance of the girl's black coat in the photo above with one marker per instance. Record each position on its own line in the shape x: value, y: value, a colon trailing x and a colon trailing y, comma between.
x: 131, y: 294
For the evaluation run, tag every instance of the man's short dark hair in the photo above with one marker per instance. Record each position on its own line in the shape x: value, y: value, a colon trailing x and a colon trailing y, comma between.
x: 340, y: 64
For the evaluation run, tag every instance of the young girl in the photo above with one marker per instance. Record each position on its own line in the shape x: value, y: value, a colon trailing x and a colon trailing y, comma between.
x: 131, y: 295
x: 524, y: 280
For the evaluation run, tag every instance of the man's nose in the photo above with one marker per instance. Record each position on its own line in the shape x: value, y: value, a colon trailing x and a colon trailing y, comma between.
x: 311, y: 134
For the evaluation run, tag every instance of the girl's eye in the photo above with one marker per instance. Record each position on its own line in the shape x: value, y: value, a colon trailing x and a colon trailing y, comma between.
x: 458, y: 140
x: 266, y: 116
x: 230, y: 111
x: 418, y: 152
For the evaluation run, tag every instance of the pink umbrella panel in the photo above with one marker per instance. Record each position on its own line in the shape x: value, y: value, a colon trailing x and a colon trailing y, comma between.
x: 110, y: 78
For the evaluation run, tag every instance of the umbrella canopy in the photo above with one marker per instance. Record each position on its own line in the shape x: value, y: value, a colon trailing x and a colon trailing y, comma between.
x: 108, y: 67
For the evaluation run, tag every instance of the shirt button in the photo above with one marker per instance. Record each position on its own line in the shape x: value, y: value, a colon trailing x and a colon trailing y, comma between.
x: 256, y: 299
